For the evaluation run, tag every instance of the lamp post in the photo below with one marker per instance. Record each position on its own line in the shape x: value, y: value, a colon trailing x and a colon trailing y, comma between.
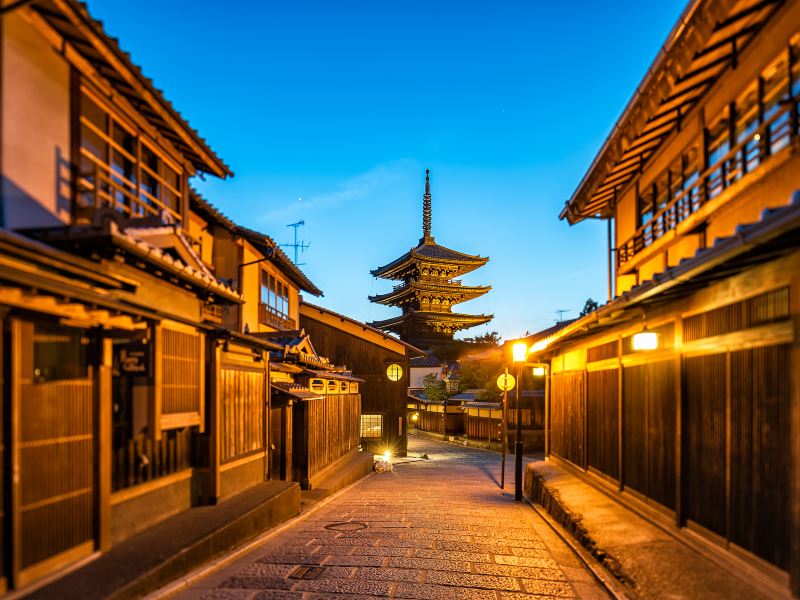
x: 520, y: 354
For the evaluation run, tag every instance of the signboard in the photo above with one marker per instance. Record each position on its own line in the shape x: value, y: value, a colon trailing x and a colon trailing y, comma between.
x: 506, y: 382
x: 133, y: 359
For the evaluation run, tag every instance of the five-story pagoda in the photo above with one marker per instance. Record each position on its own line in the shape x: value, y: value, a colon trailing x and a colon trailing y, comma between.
x: 427, y: 291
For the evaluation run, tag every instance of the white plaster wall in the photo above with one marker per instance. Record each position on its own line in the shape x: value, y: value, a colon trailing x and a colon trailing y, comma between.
x: 418, y: 374
x: 36, y: 128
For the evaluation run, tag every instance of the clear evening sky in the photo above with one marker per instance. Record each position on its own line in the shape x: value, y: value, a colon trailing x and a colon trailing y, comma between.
x: 331, y: 111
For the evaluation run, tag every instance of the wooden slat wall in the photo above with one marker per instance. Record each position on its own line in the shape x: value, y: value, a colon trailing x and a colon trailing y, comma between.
x: 602, y: 405
x: 431, y: 421
x: 55, y: 449
x: 760, y: 463
x: 334, y: 428
x: 568, y: 416
x: 704, y: 396
x: 242, y: 399
x: 634, y: 435
x: 483, y: 428
x: 142, y: 459
x: 181, y: 372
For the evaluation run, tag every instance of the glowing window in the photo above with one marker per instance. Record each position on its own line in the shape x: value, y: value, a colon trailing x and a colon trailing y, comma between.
x: 371, y: 426
x: 394, y: 372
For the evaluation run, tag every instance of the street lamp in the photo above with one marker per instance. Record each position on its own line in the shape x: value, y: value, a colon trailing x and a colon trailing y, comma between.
x: 519, y: 352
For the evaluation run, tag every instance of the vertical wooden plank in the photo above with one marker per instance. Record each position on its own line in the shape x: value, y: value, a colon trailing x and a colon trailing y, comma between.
x: 794, y: 437
x: 678, y: 422
x: 155, y: 391
x: 621, y: 419
x: 214, y: 461
x: 103, y: 442
x: 727, y: 447
x: 201, y: 373
x: 546, y: 413
x: 16, y: 376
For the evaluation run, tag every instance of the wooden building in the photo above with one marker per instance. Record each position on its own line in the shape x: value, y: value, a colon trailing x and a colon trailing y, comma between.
x: 380, y: 360
x: 135, y: 352
x: 682, y: 393
x: 428, y: 292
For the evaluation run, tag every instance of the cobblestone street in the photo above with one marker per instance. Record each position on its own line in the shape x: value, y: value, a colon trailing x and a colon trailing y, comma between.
x: 437, y: 528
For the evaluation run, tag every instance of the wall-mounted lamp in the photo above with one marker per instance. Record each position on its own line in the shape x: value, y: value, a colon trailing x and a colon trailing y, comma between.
x: 539, y: 371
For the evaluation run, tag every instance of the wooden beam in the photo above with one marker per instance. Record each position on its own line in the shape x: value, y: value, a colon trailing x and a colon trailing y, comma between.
x: 214, y: 422
x: 103, y: 442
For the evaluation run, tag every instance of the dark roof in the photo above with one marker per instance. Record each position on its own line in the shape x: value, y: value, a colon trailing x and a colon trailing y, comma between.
x: 86, y: 35
x: 701, y: 46
x: 468, y: 320
x: 429, y: 360
x: 454, y: 289
x: 776, y: 233
x: 365, y: 327
x: 264, y: 242
x: 429, y: 250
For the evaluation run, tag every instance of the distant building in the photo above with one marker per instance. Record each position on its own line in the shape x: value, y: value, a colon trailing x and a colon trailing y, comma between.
x: 681, y: 394
x: 428, y: 292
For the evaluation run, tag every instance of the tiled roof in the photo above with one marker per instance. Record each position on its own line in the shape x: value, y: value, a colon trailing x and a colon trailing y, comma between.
x: 69, y: 23
x: 429, y: 360
x: 294, y: 390
x: 429, y: 250
x: 776, y: 232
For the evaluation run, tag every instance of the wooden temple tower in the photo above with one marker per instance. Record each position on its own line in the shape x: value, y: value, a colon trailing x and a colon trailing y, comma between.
x: 427, y: 290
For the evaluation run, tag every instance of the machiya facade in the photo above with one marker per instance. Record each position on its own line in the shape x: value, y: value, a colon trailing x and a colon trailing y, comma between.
x: 145, y: 361
x: 428, y: 291
x: 700, y: 184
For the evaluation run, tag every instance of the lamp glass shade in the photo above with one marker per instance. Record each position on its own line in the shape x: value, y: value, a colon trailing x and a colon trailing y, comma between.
x: 645, y: 340
x: 394, y: 372
x: 538, y: 371
x: 519, y: 351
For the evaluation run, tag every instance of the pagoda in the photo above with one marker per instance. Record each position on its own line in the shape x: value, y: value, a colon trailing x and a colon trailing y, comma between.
x: 427, y: 290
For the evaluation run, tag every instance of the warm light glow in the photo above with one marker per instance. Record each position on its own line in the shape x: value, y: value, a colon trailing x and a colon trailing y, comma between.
x: 414, y: 417
x: 645, y: 340
x: 519, y: 351
x: 394, y: 372
x: 539, y: 346
x: 538, y: 371
x: 506, y: 382
x: 757, y: 137
x: 387, y: 456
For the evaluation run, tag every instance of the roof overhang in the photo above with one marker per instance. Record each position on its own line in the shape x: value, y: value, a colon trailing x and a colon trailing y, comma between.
x: 703, y: 44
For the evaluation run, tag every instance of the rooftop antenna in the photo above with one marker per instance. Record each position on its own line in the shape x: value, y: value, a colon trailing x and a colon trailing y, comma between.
x: 560, y: 312
x: 298, y: 247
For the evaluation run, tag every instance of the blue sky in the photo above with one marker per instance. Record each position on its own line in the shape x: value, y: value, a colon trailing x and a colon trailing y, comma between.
x: 331, y: 111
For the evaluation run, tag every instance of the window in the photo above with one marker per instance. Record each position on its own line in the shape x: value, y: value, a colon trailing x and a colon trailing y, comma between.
x: 775, y: 92
x: 748, y: 109
x: 275, y: 295
x: 371, y: 426
x: 717, y: 146
x: 120, y: 169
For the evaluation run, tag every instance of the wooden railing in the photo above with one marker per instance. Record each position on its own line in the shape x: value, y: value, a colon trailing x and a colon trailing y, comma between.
x: 141, y: 459
x: 772, y: 136
x: 269, y: 316
x: 212, y: 313
x: 102, y: 187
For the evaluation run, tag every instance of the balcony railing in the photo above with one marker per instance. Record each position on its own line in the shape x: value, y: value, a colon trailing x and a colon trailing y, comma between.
x: 772, y: 136
x: 102, y: 187
x: 269, y: 316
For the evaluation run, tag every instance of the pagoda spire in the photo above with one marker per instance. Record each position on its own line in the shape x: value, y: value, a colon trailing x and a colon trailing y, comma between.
x: 426, y: 208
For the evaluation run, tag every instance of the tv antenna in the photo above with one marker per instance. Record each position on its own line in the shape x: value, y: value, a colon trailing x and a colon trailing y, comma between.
x: 298, y: 247
x: 560, y: 312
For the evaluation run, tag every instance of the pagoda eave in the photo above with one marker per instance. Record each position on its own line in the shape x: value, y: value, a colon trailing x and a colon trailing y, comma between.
x: 455, y: 293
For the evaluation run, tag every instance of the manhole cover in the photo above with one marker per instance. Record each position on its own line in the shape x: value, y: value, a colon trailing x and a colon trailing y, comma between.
x: 306, y: 572
x: 346, y: 526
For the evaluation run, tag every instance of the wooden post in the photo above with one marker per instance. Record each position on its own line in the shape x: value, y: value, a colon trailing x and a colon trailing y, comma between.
x: 547, y: 413
x: 267, y: 423
x: 154, y: 405
x: 214, y: 462
x: 794, y: 437
x: 504, y: 441
x: 728, y: 448
x: 620, y: 417
x: 16, y: 376
x: 678, y: 422
x: 103, y: 442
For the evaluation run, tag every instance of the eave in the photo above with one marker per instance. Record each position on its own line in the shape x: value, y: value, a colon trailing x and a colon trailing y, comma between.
x: 462, y: 320
x: 428, y: 251
x: 703, y: 44
x: 457, y: 292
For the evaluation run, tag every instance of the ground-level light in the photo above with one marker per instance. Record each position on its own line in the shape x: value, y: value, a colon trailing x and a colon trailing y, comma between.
x: 387, y: 456
x: 645, y: 340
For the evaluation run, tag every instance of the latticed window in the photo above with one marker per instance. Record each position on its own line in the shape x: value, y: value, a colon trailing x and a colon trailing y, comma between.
x: 371, y: 426
x: 181, y: 376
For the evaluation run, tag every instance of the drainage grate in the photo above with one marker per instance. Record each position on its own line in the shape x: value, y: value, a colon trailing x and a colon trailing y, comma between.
x: 346, y: 526
x: 306, y: 572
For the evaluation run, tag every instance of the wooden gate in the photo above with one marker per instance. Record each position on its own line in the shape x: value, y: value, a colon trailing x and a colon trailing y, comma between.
x: 52, y: 424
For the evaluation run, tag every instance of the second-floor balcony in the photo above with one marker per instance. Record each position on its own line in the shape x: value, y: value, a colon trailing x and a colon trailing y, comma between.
x: 776, y: 135
x: 269, y: 316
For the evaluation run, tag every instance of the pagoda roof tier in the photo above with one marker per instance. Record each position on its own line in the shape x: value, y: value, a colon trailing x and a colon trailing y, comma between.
x: 428, y: 251
x: 451, y: 289
x: 455, y: 321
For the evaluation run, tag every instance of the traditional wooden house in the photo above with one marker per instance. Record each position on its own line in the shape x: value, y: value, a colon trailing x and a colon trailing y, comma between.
x: 682, y: 393
x: 428, y: 292
x: 381, y: 360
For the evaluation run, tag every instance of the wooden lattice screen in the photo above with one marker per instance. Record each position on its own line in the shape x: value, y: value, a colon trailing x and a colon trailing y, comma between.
x: 242, y: 406
x: 182, y: 381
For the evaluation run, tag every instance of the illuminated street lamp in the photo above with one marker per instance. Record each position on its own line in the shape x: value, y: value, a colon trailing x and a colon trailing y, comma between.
x: 519, y: 352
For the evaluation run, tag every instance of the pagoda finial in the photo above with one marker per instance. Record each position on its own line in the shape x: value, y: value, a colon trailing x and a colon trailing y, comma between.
x: 426, y: 206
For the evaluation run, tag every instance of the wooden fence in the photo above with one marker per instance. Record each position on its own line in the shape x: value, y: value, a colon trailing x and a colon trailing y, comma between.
x: 141, y: 459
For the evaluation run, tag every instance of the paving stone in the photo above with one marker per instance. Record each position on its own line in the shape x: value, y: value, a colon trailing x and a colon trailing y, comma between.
x: 388, y: 574
x: 490, y: 582
x: 258, y: 582
x: 548, y: 588
x: 519, y: 571
x: 441, y: 592
x: 344, y: 586
x: 229, y: 595
x: 429, y: 564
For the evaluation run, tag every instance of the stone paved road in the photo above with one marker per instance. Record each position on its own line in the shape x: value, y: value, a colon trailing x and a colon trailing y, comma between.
x: 438, y: 528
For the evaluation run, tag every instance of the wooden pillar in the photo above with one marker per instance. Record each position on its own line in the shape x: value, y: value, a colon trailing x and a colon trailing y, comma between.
x: 267, y: 423
x: 15, y: 522
x: 103, y: 442
x: 794, y: 437
x: 678, y: 383
x: 156, y: 371
x: 620, y: 418
x: 546, y: 411
x: 214, y: 460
